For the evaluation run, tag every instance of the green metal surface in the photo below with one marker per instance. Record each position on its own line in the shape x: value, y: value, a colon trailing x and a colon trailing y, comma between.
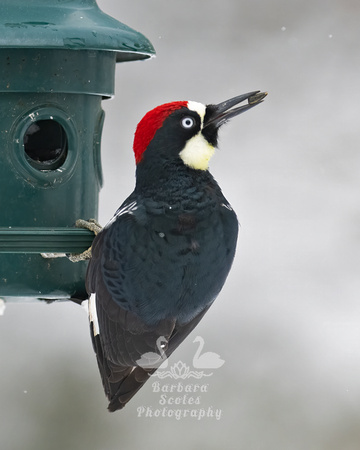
x: 45, y: 240
x: 68, y: 24
x: 33, y: 198
x: 50, y: 71
x: 57, y: 63
x: 34, y: 277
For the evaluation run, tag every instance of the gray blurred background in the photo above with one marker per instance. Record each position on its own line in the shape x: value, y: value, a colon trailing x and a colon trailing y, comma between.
x: 287, y: 322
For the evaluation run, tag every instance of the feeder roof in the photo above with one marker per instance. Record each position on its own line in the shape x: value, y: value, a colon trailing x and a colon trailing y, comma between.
x: 68, y: 24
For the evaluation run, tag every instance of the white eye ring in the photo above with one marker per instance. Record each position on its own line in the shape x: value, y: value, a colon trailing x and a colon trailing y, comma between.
x: 187, y: 122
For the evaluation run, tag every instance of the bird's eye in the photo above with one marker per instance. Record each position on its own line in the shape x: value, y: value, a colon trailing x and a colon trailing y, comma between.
x: 187, y: 122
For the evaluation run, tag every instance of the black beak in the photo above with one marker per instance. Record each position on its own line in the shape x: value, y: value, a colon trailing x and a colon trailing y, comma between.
x: 217, y: 115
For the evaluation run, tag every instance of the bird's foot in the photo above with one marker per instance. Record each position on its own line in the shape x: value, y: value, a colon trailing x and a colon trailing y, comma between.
x: 91, y: 225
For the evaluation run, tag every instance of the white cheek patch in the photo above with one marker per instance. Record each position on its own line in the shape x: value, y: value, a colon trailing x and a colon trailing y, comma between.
x: 93, y: 315
x: 197, y: 152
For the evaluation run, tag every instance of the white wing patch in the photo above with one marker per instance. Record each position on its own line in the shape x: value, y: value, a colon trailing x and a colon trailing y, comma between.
x: 227, y: 206
x: 126, y: 209
x: 93, y: 315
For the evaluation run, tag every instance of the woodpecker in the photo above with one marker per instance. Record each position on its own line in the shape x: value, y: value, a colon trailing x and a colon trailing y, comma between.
x: 163, y: 258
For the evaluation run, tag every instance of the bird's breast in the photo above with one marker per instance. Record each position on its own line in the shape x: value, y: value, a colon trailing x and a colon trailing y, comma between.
x: 172, y: 257
x: 187, y: 257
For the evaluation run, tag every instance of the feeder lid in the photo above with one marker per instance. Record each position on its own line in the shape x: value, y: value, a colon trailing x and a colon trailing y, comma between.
x: 68, y: 24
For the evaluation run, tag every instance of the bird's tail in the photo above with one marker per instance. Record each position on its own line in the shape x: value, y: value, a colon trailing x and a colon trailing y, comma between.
x: 121, y: 387
x: 120, y: 383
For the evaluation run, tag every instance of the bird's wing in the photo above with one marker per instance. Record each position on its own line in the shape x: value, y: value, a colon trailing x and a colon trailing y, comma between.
x: 119, y: 276
x: 122, y: 380
x: 119, y: 336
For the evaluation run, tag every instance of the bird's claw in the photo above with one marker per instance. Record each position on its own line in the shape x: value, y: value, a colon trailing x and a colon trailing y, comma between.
x: 92, y: 225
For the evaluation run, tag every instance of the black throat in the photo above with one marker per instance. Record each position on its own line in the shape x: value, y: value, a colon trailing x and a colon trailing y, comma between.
x: 177, y: 187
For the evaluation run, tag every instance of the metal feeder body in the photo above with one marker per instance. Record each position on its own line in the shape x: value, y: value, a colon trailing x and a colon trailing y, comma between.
x: 57, y: 63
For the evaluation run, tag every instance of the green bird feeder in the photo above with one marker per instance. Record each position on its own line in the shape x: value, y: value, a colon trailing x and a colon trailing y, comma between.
x: 57, y: 63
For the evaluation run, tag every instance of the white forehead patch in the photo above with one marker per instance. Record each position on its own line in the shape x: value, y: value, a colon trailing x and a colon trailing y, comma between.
x: 199, y: 108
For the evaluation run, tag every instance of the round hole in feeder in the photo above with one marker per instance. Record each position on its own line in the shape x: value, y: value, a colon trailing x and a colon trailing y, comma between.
x: 45, y: 145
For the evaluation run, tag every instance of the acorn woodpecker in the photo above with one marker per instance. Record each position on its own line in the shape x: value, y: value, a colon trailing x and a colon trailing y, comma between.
x: 163, y: 258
